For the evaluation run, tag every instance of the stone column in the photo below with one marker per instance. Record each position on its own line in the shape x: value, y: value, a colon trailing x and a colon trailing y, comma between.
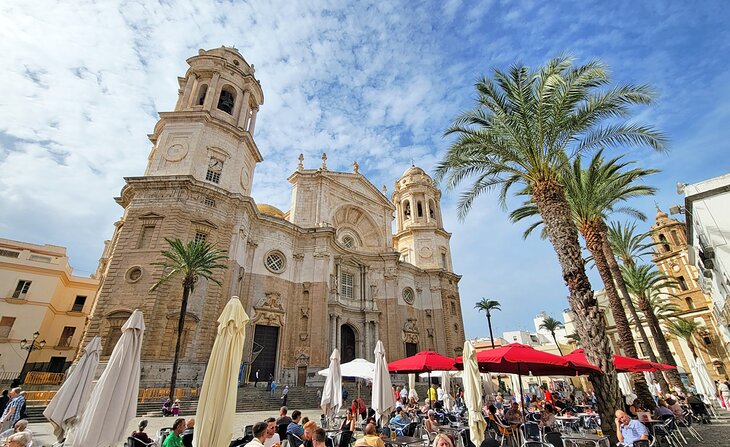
x: 213, y: 93
x: 184, y: 101
x: 338, y: 333
x: 252, y: 123
x: 333, y: 334
x: 367, y: 338
x: 243, y: 115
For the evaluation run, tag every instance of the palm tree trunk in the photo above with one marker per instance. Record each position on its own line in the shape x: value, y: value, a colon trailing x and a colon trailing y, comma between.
x: 594, y: 243
x: 556, y: 343
x: 180, y: 323
x: 556, y: 214
x: 489, y: 323
x: 621, y: 284
x: 661, y: 343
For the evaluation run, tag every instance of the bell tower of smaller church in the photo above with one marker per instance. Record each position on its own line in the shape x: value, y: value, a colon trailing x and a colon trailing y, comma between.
x: 209, y: 135
x: 420, y: 237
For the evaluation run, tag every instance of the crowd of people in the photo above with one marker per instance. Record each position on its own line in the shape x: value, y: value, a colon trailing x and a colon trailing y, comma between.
x: 14, y: 430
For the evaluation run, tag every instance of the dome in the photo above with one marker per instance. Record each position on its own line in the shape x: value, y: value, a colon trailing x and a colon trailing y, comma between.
x: 414, y: 170
x: 269, y: 210
x: 660, y: 214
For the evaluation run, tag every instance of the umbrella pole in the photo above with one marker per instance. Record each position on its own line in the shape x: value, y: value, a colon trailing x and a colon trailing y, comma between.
x: 428, y: 391
x: 522, y: 394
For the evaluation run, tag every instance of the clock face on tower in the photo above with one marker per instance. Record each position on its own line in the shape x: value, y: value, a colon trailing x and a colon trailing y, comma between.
x: 215, y: 165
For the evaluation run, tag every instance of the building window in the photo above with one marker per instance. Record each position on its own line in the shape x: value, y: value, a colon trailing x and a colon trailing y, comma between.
x: 707, y: 340
x: 9, y: 253
x: 453, y: 308
x: 209, y: 202
x: 348, y: 242
x: 215, y: 167
x: 643, y: 348
x: 21, y: 289
x: 145, y: 238
x: 411, y: 349
x: 407, y: 209
x: 226, y: 101
x: 347, y: 284
x: 201, y: 94
x: 682, y: 283
x: 664, y: 242
x: 133, y: 274
x: 430, y: 209
x: 275, y: 262
x: 690, y: 304
x: 443, y: 260
x: 200, y: 237
x: 66, y: 336
x: 420, y: 209
x: 408, y: 295
x: 79, y: 304
x: 6, y: 325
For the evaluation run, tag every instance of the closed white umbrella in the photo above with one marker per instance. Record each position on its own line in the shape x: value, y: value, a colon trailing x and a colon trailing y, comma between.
x: 624, y: 382
x: 382, y: 399
x: 473, y: 394
x: 446, y: 385
x: 113, y: 402
x: 703, y: 383
x: 412, y: 393
x: 217, y: 403
x: 69, y: 401
x: 332, y: 391
x: 358, y: 368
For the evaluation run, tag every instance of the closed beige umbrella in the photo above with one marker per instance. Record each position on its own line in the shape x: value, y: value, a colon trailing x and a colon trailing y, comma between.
x: 332, y: 391
x: 217, y: 403
x: 113, y: 402
x: 473, y: 394
x: 382, y: 400
x: 68, y: 403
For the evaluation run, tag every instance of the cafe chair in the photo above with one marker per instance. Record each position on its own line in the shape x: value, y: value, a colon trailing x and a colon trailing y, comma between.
x: 554, y: 439
x: 134, y: 442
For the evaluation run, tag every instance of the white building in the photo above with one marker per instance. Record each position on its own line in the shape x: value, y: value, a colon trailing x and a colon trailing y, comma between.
x: 707, y: 207
x: 560, y: 334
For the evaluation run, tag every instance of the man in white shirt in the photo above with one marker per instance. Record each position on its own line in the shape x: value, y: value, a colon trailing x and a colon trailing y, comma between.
x: 439, y: 393
x: 404, y: 395
x: 272, y: 437
x: 259, y: 435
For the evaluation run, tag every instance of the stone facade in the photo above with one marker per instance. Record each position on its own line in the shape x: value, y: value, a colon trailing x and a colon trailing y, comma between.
x: 327, y: 273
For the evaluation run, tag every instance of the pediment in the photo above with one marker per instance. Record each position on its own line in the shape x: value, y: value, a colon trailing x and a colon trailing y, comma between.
x: 205, y: 222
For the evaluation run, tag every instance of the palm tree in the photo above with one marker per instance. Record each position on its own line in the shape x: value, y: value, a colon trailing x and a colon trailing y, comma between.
x: 487, y: 306
x: 551, y: 325
x: 593, y: 192
x: 524, y: 130
x: 624, y: 242
x: 646, y: 283
x: 188, y: 263
x: 687, y: 330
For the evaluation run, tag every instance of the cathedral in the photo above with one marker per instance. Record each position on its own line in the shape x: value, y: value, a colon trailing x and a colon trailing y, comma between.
x: 334, y: 271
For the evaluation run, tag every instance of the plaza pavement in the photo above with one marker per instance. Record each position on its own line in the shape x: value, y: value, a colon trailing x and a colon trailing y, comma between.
x: 715, y: 434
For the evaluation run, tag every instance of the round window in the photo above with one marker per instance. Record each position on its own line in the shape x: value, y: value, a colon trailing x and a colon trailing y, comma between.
x: 134, y: 274
x: 275, y: 261
x: 408, y: 295
x: 348, y: 242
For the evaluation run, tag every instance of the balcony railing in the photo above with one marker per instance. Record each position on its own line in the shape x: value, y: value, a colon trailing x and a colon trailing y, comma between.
x: 44, y: 378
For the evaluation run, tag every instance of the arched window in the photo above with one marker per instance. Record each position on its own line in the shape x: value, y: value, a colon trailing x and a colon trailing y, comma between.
x: 665, y: 243
x: 202, y: 91
x: 227, y: 100
x: 690, y: 304
x: 420, y: 209
x: 675, y: 237
x: 431, y: 208
x: 407, y: 209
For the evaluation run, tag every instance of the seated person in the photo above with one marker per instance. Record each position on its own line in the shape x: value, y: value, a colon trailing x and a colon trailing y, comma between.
x: 513, y: 416
x: 635, y: 408
x: 400, y: 421
x: 371, y: 437
x: 676, y: 408
x: 20, y: 439
x: 560, y: 403
x: 272, y: 437
x: 547, y: 417
x: 348, y: 424
x: 629, y: 430
x: 140, y: 434
x: 426, y: 406
x: 308, y: 435
x: 294, y: 427
x: 167, y: 407
x: 431, y: 423
x: 662, y: 410
x: 173, y: 439
x: 187, y: 434
x: 18, y: 427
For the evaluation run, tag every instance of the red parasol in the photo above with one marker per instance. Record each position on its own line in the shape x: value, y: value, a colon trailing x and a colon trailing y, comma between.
x: 623, y: 364
x: 517, y: 358
x: 424, y: 361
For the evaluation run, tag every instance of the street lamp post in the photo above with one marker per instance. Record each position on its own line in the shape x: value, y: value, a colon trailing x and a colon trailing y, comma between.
x: 30, y: 347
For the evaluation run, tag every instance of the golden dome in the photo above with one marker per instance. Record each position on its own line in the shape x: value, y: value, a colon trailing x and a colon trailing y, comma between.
x: 265, y: 208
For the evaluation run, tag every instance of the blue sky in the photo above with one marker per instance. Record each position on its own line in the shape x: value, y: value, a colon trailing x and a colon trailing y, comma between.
x: 372, y: 82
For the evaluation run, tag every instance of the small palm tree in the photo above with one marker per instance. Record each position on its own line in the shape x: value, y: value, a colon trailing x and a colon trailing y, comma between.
x: 551, y: 325
x: 525, y: 128
x: 646, y: 283
x: 687, y: 330
x: 187, y: 263
x: 487, y: 306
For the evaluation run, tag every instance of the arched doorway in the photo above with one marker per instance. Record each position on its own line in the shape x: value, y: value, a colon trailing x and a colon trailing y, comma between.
x: 348, y: 351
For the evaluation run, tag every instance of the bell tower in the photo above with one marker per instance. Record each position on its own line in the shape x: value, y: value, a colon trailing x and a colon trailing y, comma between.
x: 420, y: 237
x: 209, y: 135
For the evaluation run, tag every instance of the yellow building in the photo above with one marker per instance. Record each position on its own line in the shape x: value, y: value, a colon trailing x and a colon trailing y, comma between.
x: 39, y: 294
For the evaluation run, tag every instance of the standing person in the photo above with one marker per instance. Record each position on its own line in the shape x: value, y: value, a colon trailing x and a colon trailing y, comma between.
x: 173, y: 439
x: 269, y: 382
x: 656, y: 390
x: 432, y: 393
x: 12, y: 411
x: 404, y: 395
x: 547, y: 393
x: 256, y: 378
x: 273, y: 387
x: 285, y: 394
x: 724, y: 391
x: 259, y: 435
x: 440, y: 394
x: 345, y: 393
